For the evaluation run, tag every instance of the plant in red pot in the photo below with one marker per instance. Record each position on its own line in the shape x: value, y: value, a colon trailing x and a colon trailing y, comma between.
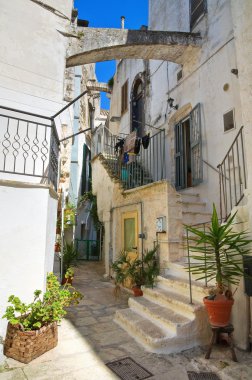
x: 218, y: 255
x: 69, y: 261
x: 69, y: 275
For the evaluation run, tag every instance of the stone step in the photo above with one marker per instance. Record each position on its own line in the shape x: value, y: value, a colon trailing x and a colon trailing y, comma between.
x: 181, y: 286
x: 177, y: 302
x: 156, y: 339
x: 195, y: 217
x: 189, y: 197
x: 179, y: 269
x: 192, y: 205
x: 160, y: 315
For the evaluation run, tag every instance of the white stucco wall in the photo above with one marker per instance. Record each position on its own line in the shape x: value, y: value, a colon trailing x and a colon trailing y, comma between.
x: 33, y: 55
x: 204, y: 75
x: 27, y: 226
x: 32, y: 67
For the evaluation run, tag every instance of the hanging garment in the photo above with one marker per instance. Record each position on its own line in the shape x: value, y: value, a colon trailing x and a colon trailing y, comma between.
x: 146, y: 141
x: 130, y: 140
x: 125, y: 158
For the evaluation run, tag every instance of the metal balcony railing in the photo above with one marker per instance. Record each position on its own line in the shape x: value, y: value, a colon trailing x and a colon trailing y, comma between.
x: 232, y: 176
x: 29, y: 145
x: 146, y: 167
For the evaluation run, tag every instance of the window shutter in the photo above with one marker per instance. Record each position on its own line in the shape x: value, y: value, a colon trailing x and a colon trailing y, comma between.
x: 179, y: 157
x: 197, y: 9
x: 196, y: 146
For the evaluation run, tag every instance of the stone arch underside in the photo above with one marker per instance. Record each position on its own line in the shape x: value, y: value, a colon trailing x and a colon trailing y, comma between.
x: 97, y: 45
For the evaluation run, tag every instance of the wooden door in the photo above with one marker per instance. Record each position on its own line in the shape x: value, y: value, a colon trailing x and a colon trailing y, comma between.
x: 130, y: 234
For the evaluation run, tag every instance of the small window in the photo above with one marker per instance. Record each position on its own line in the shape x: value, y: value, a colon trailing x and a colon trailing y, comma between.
x: 228, y: 119
x: 124, y: 98
x: 197, y: 9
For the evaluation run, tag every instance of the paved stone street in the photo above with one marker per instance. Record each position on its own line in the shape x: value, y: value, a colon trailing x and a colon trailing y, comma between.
x: 88, y: 338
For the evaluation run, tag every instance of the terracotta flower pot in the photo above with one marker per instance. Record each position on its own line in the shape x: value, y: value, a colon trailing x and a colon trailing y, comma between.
x: 137, y: 291
x: 219, y: 311
x: 68, y: 280
x: 56, y: 247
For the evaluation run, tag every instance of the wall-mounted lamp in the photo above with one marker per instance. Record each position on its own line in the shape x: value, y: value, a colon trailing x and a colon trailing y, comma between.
x: 170, y: 103
x: 234, y: 71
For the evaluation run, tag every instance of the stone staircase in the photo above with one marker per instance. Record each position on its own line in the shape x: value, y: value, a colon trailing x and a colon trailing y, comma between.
x: 193, y: 211
x: 163, y: 320
x: 128, y: 176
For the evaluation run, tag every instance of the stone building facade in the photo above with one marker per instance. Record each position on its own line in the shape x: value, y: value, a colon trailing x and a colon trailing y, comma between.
x: 200, y: 106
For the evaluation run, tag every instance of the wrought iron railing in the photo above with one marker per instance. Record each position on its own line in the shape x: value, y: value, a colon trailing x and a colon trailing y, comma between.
x: 146, y: 167
x: 232, y: 177
x: 29, y: 145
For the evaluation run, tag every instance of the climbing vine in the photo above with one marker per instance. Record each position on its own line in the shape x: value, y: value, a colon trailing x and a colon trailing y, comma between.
x: 89, y: 196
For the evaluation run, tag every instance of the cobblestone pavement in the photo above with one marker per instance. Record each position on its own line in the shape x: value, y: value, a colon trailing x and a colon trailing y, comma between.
x: 89, y: 338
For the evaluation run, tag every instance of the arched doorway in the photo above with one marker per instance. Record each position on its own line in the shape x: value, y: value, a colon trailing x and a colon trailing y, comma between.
x: 137, y: 107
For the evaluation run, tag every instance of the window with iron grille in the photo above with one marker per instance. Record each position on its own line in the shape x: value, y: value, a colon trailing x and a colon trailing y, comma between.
x: 124, y: 97
x: 197, y: 9
x: 228, y: 119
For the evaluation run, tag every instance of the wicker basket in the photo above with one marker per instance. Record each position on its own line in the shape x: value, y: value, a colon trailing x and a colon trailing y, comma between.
x: 25, y: 346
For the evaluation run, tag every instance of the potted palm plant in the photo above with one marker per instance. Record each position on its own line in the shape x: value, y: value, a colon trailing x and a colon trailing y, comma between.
x: 219, y: 257
x: 135, y: 273
x: 69, y: 261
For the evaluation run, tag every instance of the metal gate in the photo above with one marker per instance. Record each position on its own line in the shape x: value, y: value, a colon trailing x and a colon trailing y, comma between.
x: 88, y: 250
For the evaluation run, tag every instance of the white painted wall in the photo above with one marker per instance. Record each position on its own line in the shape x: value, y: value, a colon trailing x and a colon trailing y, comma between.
x: 32, y: 67
x: 204, y: 75
x: 27, y: 226
x: 32, y: 55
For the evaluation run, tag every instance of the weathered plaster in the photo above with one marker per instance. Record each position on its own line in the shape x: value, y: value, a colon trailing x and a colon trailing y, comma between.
x: 106, y: 44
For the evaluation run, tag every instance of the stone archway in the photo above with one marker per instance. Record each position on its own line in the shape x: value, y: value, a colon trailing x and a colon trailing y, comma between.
x: 97, y: 45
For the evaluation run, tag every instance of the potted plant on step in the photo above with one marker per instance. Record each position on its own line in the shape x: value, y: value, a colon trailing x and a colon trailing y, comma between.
x: 219, y: 257
x: 32, y: 328
x: 69, y: 275
x: 69, y: 260
x: 135, y: 273
x: 125, y: 270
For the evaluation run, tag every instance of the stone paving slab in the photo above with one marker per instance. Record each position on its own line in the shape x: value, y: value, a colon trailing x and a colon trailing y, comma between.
x: 89, y: 338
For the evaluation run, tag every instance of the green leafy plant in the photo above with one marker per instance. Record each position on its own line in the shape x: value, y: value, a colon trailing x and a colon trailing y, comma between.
x: 220, y: 251
x: 69, y: 256
x: 139, y: 272
x: 69, y: 273
x: 150, y: 267
x: 89, y: 196
x: 44, y: 309
x: 69, y: 215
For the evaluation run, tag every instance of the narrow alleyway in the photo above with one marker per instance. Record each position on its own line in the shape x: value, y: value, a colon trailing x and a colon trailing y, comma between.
x: 89, y: 338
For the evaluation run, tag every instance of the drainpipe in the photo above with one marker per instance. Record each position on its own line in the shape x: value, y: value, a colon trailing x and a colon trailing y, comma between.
x: 141, y: 235
x: 62, y: 234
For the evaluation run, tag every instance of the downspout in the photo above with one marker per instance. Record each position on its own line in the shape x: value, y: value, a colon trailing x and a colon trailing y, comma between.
x: 141, y: 235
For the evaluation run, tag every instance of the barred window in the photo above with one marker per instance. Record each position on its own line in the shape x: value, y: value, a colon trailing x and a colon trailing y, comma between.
x: 124, y: 97
x: 197, y: 9
x: 228, y: 119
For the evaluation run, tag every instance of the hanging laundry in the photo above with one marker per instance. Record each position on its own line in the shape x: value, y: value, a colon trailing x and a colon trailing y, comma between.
x: 146, y: 141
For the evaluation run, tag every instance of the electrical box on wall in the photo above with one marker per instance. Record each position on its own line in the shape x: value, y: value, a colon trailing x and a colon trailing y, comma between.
x: 161, y: 224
